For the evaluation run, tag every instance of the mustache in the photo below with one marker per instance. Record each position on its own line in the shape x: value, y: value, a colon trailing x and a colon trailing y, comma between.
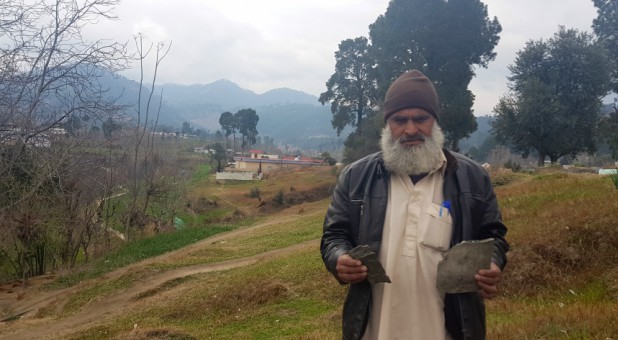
x: 412, y: 138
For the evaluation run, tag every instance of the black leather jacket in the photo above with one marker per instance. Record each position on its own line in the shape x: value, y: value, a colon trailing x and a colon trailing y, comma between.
x: 356, y: 216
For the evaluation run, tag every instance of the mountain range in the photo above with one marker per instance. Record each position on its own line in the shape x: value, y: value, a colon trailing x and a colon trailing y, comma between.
x: 289, y: 116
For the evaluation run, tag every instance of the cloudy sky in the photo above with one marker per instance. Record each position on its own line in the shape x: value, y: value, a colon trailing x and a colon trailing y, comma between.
x: 268, y: 44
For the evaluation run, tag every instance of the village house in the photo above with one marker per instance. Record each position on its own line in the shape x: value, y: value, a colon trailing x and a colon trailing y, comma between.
x: 258, y: 163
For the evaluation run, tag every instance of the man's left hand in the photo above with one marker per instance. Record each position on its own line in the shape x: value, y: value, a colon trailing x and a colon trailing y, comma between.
x: 487, y: 280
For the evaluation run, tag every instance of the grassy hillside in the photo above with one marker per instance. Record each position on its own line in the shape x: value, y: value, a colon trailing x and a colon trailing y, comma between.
x: 266, y: 280
x: 562, y: 280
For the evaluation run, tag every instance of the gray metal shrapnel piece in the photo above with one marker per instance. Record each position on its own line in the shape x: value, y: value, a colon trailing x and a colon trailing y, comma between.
x: 369, y: 258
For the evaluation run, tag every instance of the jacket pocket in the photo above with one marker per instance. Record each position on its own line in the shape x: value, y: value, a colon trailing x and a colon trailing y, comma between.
x: 436, y: 233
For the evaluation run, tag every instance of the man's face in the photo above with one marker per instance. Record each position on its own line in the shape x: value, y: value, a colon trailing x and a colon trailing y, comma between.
x: 412, y: 142
x: 411, y: 125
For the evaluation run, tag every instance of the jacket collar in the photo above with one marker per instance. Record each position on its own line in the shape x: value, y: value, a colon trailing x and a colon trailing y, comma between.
x: 451, y: 162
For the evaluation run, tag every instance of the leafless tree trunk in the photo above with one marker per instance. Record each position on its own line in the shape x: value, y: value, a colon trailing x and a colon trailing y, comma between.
x: 141, y: 131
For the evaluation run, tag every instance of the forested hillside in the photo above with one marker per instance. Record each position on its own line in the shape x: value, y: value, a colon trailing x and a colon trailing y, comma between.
x: 288, y: 116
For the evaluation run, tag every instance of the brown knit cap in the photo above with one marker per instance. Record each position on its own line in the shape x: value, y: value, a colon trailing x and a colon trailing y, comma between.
x: 411, y: 90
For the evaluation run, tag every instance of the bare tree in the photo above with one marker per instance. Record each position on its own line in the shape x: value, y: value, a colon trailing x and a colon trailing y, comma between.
x: 142, y: 180
x: 49, y: 81
x: 50, y: 72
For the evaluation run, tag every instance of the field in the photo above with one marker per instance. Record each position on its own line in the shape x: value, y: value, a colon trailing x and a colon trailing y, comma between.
x: 261, y: 277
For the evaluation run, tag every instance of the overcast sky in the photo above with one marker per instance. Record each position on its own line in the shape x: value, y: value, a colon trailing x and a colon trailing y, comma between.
x: 268, y: 44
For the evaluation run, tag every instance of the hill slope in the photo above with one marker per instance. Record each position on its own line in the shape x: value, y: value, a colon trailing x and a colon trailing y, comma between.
x: 267, y: 280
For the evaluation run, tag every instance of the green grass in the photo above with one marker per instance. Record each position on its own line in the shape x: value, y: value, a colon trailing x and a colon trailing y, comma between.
x: 267, y: 238
x: 209, y: 217
x: 96, y: 291
x: 287, y: 297
x: 271, y: 237
x: 139, y: 250
x: 202, y: 173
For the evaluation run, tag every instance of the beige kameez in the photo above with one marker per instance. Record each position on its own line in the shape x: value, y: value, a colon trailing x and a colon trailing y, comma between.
x: 416, y: 235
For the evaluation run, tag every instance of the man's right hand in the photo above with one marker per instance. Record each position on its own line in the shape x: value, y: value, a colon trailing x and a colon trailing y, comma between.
x: 350, y: 270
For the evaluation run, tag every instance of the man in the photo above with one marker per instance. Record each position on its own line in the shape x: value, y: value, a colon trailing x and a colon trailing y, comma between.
x: 410, y: 203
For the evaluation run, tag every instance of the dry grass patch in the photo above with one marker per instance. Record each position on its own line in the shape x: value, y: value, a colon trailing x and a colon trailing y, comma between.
x: 251, y: 295
x: 560, y: 226
x: 562, y: 318
x: 134, y: 332
x: 297, y: 185
x: 156, y: 334
x: 162, y: 288
x: 560, y: 281
x: 504, y: 176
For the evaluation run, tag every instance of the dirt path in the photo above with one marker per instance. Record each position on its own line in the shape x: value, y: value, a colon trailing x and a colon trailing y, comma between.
x: 32, y: 299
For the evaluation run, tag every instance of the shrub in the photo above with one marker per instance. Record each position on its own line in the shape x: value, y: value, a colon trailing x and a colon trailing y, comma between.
x: 501, y: 176
x: 516, y: 167
x: 279, y: 198
x: 255, y: 193
x: 328, y: 158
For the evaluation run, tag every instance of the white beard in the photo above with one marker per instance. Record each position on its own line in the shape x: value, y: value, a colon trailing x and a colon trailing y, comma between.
x: 415, y: 159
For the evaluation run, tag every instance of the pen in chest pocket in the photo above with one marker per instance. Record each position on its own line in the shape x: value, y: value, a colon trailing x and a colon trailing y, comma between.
x: 446, y: 206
